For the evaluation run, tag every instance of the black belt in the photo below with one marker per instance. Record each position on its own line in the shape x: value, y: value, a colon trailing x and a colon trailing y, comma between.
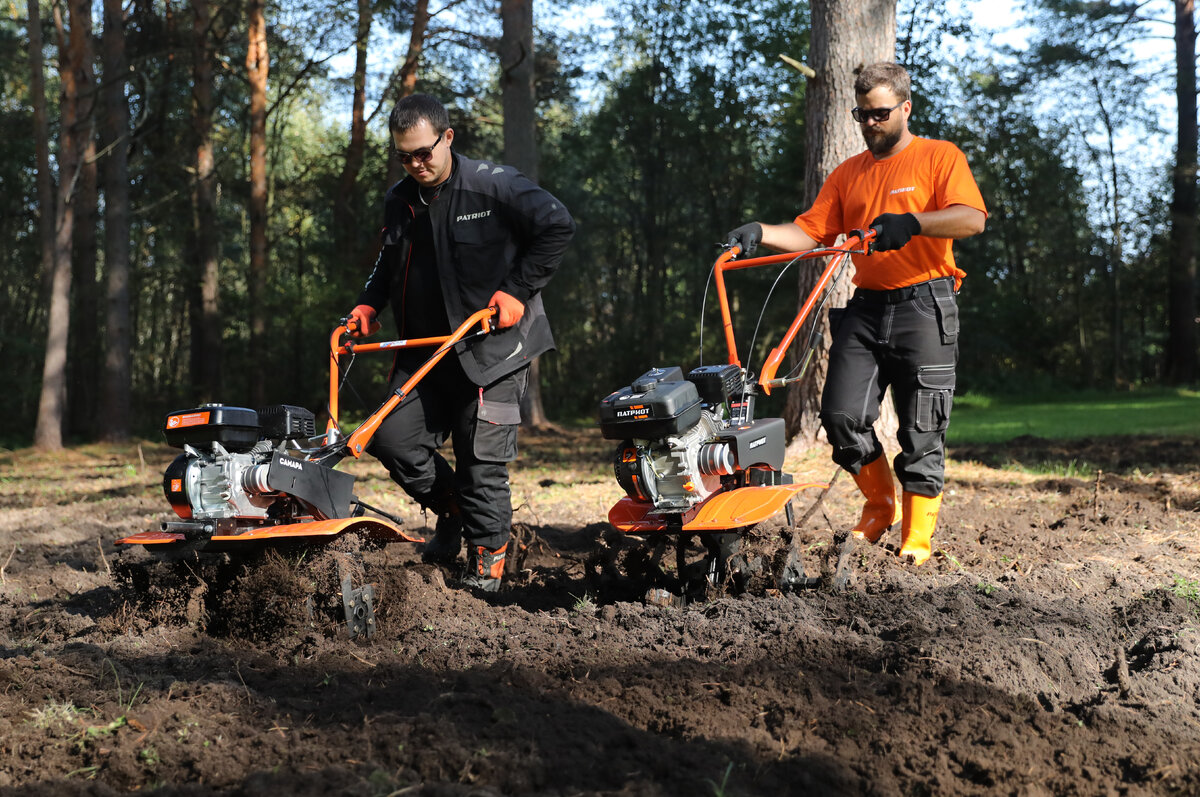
x: 905, y: 294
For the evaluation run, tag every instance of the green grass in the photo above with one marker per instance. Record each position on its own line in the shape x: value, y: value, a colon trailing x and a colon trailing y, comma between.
x: 988, y: 419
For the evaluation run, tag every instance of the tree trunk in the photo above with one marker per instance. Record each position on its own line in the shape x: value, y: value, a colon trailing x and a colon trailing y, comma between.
x: 256, y: 69
x: 1181, y: 296
x: 51, y: 404
x: 520, y: 139
x: 345, y: 208
x: 846, y: 36
x: 517, y: 86
x: 1117, y: 248
x: 41, y: 140
x: 84, y: 358
x: 115, y: 395
x: 206, y: 293
x: 408, y: 77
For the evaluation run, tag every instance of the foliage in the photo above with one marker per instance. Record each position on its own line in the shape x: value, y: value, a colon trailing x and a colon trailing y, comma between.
x: 22, y: 292
x: 660, y: 136
x: 655, y: 175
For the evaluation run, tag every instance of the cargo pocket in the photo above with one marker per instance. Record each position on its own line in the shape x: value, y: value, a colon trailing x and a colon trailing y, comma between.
x: 947, y: 311
x: 496, y: 431
x: 935, y: 395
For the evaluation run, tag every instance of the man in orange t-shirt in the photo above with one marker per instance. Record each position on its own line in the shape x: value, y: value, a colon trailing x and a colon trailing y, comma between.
x: 901, y: 326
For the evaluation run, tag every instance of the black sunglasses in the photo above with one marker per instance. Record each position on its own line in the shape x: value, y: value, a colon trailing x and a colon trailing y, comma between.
x: 878, y: 114
x: 422, y: 155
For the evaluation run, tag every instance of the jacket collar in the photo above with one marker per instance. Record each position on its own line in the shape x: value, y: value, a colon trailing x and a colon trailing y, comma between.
x: 410, y: 189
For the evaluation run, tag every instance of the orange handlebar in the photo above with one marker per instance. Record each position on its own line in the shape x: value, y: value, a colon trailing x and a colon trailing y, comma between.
x: 357, y: 441
x: 858, y: 242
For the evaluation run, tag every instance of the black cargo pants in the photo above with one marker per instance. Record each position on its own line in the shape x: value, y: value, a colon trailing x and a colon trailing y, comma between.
x: 482, y: 424
x: 906, y: 338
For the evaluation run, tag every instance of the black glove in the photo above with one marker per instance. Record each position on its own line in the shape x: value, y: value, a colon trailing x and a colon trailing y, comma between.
x: 894, y: 230
x: 747, y: 237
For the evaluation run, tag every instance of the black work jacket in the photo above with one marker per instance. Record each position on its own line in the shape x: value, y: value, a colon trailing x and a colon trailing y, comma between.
x: 493, y: 229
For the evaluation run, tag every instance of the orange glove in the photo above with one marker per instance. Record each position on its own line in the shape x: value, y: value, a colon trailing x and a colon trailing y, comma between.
x: 512, y: 309
x: 363, y: 321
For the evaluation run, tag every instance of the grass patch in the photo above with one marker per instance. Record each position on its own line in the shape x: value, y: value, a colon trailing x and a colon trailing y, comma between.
x: 995, y: 419
x: 54, y: 715
x: 1186, y: 588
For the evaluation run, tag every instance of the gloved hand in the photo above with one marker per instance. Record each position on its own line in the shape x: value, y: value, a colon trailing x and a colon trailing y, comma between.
x: 747, y: 237
x: 363, y: 321
x: 894, y: 230
x: 512, y: 309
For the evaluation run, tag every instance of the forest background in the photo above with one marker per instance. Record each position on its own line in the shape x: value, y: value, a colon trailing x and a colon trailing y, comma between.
x: 223, y: 163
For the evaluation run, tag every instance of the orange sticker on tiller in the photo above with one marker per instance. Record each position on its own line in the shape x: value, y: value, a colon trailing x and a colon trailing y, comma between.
x: 187, y: 419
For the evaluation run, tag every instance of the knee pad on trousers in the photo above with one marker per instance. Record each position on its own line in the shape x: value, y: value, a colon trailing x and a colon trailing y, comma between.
x: 854, y: 444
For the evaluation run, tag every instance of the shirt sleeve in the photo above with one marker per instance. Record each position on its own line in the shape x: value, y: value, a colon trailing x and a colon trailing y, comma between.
x: 958, y: 186
x: 823, y: 222
x: 545, y: 228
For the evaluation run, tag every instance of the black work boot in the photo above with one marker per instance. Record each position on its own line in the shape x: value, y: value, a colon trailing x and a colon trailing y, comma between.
x: 485, y: 568
x: 447, y: 539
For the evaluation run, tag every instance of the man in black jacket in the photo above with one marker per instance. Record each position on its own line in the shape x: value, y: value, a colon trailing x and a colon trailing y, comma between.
x: 461, y: 235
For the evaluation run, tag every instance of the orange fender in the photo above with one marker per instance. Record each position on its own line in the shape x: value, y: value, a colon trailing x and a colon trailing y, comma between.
x: 375, y: 528
x: 731, y: 509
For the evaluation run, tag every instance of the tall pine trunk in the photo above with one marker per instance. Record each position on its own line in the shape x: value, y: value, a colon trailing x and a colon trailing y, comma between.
x: 1181, y: 295
x: 256, y: 69
x: 345, y: 205
x: 205, y: 295
x: 520, y: 137
x: 84, y: 358
x: 846, y: 36
x: 52, y: 402
x: 115, y: 393
x: 408, y: 76
x: 41, y: 139
x: 1117, y: 243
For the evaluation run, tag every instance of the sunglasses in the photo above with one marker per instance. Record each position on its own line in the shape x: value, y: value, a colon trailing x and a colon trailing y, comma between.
x: 877, y: 114
x: 422, y: 155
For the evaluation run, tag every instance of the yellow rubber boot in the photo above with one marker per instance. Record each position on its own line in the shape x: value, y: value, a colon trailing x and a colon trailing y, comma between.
x: 881, y: 511
x: 916, y: 534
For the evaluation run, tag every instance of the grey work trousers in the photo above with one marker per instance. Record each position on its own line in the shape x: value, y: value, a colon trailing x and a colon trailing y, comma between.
x: 482, y: 424
x: 906, y: 339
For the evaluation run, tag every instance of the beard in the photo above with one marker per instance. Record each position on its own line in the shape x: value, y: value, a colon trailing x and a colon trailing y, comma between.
x: 881, y: 141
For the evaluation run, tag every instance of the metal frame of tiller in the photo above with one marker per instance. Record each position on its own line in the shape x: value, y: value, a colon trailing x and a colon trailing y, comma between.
x: 741, y: 507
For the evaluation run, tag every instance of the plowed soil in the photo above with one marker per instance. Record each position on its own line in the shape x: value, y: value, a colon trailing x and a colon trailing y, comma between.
x: 1049, y: 647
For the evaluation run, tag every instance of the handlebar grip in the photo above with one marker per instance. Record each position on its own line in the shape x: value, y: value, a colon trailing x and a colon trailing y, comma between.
x: 874, y: 232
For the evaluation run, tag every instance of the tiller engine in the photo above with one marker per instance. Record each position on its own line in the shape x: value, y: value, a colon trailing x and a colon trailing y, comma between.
x: 692, y: 458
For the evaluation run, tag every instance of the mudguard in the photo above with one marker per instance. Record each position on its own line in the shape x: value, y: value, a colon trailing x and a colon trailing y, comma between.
x: 373, y: 528
x: 732, y: 509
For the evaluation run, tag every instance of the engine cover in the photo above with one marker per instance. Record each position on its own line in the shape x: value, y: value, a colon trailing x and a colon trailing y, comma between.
x: 208, y: 486
x: 658, y: 403
x: 235, y: 428
x: 678, y: 471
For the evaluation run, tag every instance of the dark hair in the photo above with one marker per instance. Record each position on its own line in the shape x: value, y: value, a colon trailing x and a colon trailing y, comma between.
x: 409, y: 112
x: 888, y: 75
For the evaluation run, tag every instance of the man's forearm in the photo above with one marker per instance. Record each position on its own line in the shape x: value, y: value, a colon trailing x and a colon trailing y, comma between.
x: 786, y: 238
x: 956, y: 221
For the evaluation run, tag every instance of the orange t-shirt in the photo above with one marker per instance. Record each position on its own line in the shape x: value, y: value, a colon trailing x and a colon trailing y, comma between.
x: 926, y: 175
